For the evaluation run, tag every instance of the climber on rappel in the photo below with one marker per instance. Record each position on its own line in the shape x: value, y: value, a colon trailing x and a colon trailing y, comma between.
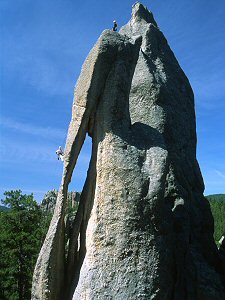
x: 114, y: 26
x: 60, y: 153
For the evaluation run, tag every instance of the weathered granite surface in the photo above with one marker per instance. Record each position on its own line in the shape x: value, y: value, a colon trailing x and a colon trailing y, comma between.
x: 143, y: 229
x: 49, y: 201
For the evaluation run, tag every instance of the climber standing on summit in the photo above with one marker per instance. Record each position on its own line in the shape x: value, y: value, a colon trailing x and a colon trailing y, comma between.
x: 60, y: 153
x: 114, y: 26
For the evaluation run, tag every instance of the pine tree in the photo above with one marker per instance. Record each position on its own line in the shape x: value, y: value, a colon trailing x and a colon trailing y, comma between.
x: 217, y: 203
x: 21, y: 235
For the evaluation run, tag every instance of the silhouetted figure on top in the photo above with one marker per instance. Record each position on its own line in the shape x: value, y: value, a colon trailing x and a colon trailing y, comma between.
x: 114, y: 26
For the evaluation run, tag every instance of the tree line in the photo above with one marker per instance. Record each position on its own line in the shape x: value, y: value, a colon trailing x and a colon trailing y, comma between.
x: 23, y: 226
x: 22, y: 230
x: 217, y: 203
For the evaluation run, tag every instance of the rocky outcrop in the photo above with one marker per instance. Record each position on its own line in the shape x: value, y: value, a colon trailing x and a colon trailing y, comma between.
x: 143, y: 229
x: 49, y: 201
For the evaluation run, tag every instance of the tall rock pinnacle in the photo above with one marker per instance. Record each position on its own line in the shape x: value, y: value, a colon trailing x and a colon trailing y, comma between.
x: 143, y: 229
x: 141, y: 13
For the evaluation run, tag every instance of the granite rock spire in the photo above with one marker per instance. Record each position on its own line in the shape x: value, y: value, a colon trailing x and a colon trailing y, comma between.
x: 143, y: 229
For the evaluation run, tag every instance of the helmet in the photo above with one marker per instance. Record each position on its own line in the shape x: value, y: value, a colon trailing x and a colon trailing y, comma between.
x: 114, y: 21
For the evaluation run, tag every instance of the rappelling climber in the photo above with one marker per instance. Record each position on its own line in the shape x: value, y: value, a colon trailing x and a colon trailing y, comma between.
x: 114, y: 26
x: 60, y: 153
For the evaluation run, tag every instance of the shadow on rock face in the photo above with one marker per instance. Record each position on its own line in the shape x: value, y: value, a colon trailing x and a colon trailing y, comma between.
x: 145, y: 137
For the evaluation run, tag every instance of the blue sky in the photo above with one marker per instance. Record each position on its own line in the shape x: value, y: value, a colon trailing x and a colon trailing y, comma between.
x: 43, y: 46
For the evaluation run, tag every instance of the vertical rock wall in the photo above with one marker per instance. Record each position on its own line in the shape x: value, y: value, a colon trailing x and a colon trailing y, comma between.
x: 143, y: 229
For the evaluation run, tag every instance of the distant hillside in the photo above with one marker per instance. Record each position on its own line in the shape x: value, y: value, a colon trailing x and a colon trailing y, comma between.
x: 217, y: 203
x: 216, y: 197
x: 2, y: 208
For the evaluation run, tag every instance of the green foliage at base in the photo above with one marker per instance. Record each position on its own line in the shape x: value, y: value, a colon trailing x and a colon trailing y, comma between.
x: 217, y: 203
x: 23, y: 227
x: 22, y: 230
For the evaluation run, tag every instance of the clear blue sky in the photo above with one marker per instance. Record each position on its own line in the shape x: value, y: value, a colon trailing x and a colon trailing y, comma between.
x: 43, y: 46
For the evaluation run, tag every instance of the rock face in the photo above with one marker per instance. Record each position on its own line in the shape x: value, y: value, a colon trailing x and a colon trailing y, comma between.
x: 50, y: 198
x: 143, y: 229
